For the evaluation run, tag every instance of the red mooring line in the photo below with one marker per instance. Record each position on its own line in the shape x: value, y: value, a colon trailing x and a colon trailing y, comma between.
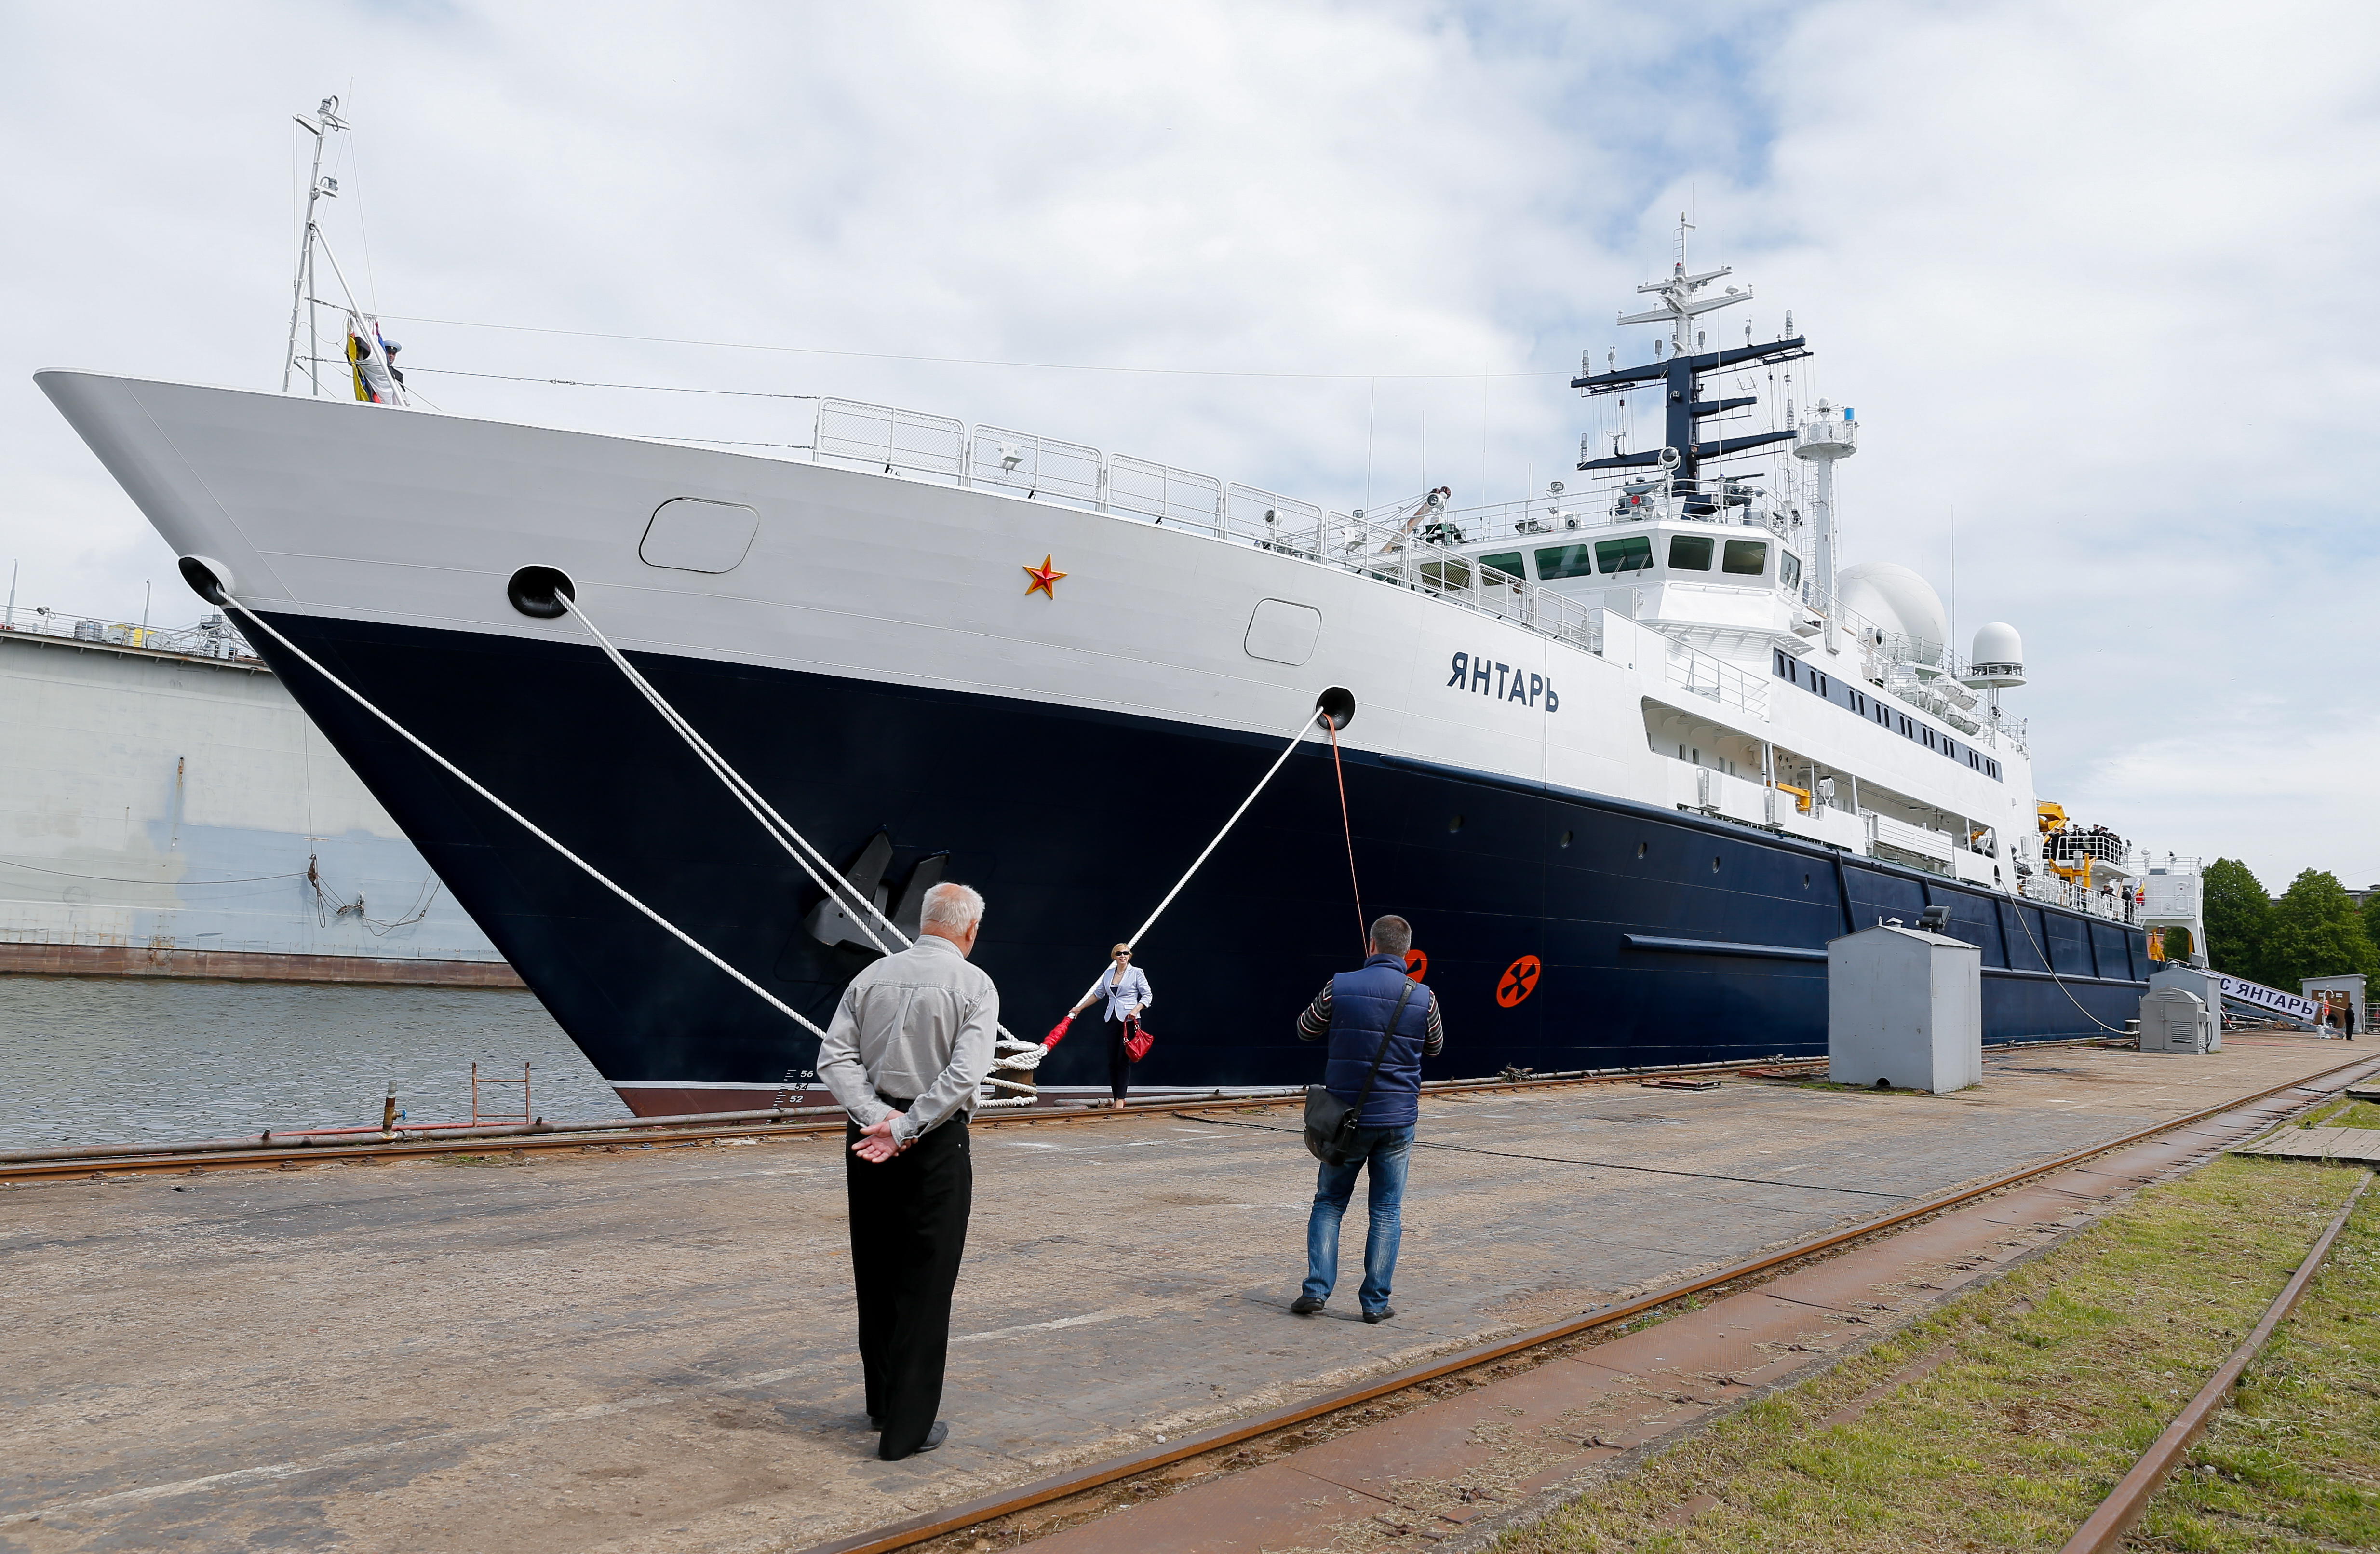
x: 1362, y: 923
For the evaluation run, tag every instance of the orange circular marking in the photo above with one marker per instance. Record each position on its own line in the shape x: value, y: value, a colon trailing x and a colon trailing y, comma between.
x: 1417, y: 965
x: 1520, y: 979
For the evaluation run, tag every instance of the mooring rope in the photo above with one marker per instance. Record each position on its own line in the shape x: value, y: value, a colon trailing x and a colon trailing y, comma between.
x: 524, y: 822
x: 1285, y: 753
x: 781, y: 830
x: 1020, y: 1053
x: 1347, y: 826
x: 2062, y: 982
x: 1261, y: 782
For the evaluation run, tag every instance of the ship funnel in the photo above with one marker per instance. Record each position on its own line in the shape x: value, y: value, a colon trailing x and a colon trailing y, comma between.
x: 1997, y: 663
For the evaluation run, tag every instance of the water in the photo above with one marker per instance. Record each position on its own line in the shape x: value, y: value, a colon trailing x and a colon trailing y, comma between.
x: 87, y: 1060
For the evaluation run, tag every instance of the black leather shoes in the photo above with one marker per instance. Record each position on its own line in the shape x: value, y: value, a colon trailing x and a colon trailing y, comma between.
x: 934, y: 1439
x: 1380, y: 1316
x: 1304, y: 1305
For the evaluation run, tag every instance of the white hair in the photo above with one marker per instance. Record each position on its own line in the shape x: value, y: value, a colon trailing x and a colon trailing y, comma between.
x: 956, y: 907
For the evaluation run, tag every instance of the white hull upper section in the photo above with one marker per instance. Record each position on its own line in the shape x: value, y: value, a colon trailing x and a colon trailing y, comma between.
x: 414, y: 518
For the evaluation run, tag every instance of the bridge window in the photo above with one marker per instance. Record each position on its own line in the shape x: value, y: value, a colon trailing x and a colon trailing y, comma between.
x: 1745, y: 557
x: 1632, y: 555
x: 1690, y: 553
x: 1564, y: 561
x: 1506, y: 562
x: 1788, y: 569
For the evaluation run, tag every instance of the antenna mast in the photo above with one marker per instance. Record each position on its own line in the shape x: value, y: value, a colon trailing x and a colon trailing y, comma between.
x: 301, y: 286
x: 326, y: 118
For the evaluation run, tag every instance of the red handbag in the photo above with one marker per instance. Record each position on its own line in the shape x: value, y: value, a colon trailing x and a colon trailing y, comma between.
x: 1138, y: 1040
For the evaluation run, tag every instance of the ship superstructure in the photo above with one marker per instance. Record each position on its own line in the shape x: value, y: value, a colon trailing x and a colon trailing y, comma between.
x: 1627, y: 756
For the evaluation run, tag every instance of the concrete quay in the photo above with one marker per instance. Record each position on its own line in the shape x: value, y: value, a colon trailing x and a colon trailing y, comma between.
x: 651, y: 1349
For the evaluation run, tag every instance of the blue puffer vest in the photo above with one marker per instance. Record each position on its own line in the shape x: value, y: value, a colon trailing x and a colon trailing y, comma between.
x: 1361, y: 1002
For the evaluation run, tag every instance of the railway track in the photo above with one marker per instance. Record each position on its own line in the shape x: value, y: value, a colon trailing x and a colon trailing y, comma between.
x: 272, y: 1151
x: 948, y: 1524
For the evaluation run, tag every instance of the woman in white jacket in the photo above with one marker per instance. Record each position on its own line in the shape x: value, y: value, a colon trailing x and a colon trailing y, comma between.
x: 1127, y: 990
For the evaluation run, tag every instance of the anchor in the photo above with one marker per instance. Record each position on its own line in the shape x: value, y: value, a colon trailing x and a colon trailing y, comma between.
x: 832, y: 922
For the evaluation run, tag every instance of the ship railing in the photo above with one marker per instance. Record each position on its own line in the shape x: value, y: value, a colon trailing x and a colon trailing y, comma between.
x: 2116, y: 905
x: 1883, y: 831
x: 212, y: 637
x: 2071, y: 847
x: 1407, y: 546
x: 1164, y: 495
x: 1699, y: 673
x: 1565, y: 511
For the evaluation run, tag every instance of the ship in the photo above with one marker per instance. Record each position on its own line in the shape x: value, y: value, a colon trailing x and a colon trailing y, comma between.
x: 1627, y: 755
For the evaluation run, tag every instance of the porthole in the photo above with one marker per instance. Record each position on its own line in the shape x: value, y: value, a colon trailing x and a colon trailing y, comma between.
x: 1640, y: 848
x: 1714, y: 864
x: 1454, y: 823
x: 1806, y: 881
x: 1565, y: 840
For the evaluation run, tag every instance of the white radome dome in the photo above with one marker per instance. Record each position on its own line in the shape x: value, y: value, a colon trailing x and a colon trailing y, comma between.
x: 1998, y: 662
x: 1899, y: 603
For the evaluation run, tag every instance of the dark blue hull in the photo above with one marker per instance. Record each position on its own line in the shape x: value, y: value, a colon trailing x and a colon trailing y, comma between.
x: 1663, y: 937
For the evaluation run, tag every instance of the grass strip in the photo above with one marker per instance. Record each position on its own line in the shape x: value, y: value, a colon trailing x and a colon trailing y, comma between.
x: 2294, y: 1464
x: 2051, y: 1383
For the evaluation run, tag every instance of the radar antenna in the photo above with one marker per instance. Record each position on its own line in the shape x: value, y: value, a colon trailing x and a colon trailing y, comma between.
x: 1678, y: 364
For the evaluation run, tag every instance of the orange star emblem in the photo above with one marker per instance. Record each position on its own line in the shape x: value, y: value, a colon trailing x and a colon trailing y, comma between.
x: 1045, y: 577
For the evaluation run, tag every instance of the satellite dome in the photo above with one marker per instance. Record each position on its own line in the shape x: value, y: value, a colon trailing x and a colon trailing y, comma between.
x: 1901, y: 603
x: 1998, y: 662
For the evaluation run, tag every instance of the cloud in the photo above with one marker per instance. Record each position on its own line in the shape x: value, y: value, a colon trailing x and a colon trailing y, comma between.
x: 2088, y: 273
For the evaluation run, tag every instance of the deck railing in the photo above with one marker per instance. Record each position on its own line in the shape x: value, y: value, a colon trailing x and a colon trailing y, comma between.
x: 897, y: 442
x: 210, y: 638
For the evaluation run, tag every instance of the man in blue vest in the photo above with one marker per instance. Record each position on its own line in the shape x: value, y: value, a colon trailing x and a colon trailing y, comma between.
x: 1354, y: 1009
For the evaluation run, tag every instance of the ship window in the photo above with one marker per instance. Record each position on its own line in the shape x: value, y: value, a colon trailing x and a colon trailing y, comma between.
x: 1745, y: 557
x: 1632, y: 555
x: 1789, y: 570
x: 1690, y: 553
x: 1506, y: 562
x: 1564, y: 561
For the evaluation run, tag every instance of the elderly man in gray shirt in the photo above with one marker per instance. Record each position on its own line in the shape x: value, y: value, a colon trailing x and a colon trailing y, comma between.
x: 905, y: 1056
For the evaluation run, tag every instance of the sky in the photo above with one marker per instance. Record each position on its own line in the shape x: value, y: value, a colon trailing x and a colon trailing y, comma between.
x: 2092, y: 276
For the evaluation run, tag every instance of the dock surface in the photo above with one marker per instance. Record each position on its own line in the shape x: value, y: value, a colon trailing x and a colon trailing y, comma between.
x: 651, y: 1349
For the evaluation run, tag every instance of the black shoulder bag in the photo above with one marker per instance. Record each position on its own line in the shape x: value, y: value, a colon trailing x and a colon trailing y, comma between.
x: 1329, y: 1121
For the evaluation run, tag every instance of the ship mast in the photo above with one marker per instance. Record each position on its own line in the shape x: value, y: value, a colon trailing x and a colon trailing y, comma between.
x: 301, y: 286
x: 1684, y: 450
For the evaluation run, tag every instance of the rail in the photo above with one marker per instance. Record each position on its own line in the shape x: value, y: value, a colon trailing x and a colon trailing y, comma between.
x: 945, y: 1522
x: 1699, y: 674
x: 2115, y: 905
x: 212, y: 637
x: 2130, y: 1499
x: 1401, y: 548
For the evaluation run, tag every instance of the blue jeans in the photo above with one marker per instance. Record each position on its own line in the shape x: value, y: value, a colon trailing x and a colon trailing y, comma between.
x: 1387, y: 1152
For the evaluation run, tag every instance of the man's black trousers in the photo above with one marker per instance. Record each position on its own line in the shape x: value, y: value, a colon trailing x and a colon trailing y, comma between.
x: 908, y: 1231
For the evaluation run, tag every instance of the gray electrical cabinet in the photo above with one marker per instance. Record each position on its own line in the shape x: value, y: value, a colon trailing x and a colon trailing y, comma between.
x: 2174, y: 1021
x: 2204, y: 986
x: 1906, y: 1007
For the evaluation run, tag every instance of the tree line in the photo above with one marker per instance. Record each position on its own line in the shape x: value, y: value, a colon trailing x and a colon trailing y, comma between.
x: 2314, y: 928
